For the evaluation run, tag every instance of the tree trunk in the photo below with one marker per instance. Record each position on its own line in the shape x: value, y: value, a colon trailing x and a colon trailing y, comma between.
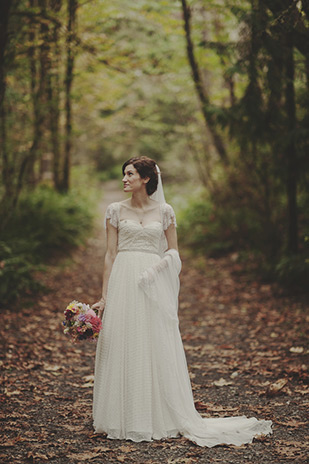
x: 200, y: 89
x: 53, y: 96
x: 291, y: 154
x: 29, y: 168
x: 54, y: 103
x: 5, y: 6
x: 72, y: 7
x: 38, y: 92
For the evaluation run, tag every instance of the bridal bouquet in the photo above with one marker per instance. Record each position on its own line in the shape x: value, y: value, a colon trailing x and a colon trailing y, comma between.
x: 81, y: 322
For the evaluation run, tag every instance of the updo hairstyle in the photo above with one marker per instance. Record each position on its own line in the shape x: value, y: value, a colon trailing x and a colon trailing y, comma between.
x: 146, y: 167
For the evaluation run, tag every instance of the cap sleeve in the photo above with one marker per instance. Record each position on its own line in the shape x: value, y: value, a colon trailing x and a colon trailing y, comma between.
x: 168, y: 216
x: 112, y: 213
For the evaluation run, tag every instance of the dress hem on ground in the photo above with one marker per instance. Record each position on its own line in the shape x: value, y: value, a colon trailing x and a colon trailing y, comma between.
x: 259, y: 428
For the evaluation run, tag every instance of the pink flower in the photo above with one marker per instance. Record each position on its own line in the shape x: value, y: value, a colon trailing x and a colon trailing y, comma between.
x: 96, y: 323
x: 90, y: 312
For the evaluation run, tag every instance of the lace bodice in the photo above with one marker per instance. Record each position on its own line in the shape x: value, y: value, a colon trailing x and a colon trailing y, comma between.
x: 132, y: 236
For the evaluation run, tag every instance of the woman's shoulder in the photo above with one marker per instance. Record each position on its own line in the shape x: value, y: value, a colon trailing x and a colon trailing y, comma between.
x: 167, y: 208
x: 114, y: 206
x: 112, y: 213
x: 168, y: 215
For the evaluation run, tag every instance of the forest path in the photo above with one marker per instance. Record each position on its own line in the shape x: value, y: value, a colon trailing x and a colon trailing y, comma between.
x: 245, y: 349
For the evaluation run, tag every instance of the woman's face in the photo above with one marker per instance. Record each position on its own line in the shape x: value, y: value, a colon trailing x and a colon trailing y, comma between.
x: 132, y: 181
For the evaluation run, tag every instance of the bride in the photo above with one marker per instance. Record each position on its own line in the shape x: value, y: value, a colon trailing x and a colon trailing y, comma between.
x: 142, y: 389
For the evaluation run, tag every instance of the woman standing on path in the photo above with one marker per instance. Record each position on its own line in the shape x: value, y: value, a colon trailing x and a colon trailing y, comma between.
x: 142, y: 389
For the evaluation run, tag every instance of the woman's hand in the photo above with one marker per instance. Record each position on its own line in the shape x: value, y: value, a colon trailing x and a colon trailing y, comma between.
x: 100, y: 305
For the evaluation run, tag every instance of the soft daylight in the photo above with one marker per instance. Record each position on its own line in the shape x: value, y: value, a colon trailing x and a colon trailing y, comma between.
x: 154, y: 231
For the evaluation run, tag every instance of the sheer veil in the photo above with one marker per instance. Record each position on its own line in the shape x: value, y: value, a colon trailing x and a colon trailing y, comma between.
x: 158, y: 195
x: 161, y: 281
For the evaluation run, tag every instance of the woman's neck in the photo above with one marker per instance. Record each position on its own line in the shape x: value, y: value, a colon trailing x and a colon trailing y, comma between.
x: 140, y: 199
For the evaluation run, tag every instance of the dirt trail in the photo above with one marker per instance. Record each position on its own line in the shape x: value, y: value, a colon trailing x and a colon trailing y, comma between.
x: 246, y: 354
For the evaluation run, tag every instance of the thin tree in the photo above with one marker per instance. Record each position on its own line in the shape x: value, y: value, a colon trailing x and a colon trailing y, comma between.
x: 38, y: 63
x: 291, y: 153
x: 5, y: 8
x: 200, y: 88
x: 70, y: 44
x: 53, y: 93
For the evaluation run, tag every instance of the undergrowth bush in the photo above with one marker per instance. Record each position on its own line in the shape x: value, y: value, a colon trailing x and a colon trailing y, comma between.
x: 293, y: 271
x: 16, y: 274
x: 214, y: 229
x: 45, y: 223
x: 205, y: 227
x: 50, y: 221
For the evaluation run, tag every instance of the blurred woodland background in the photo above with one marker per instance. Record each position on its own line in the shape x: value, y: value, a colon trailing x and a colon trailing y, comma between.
x: 216, y: 91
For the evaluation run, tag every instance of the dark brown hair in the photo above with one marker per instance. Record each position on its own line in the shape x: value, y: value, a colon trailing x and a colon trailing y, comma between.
x: 146, y: 167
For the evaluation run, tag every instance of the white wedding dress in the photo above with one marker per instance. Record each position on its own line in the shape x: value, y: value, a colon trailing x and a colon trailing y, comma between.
x: 142, y: 389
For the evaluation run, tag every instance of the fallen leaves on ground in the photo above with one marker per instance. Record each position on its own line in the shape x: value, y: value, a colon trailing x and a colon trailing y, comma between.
x: 246, y: 344
x: 222, y: 382
x: 276, y: 387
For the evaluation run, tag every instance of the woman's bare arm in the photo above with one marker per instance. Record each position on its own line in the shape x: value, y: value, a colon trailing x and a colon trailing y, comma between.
x: 110, y: 255
x: 171, y: 237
